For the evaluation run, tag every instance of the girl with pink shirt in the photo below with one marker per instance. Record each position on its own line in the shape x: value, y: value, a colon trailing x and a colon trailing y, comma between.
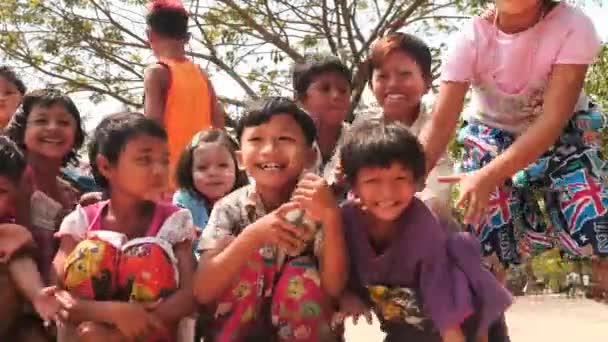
x: 529, y: 126
x: 126, y: 263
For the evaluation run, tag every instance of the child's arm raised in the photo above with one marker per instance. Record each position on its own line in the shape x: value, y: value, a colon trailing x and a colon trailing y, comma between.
x: 181, y: 303
x: 222, y: 259
x: 156, y: 85
x: 316, y: 197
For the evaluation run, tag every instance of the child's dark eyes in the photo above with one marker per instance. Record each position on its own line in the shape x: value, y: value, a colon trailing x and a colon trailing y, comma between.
x: 286, y: 138
x: 254, y: 139
x: 223, y: 165
x: 144, y: 160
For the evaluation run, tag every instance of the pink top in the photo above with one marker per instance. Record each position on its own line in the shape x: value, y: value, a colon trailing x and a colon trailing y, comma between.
x: 510, y: 72
x: 169, y: 223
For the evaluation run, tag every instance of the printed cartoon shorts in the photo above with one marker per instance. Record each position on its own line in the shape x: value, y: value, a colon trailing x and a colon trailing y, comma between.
x: 571, y: 180
x: 299, y: 309
x: 107, y: 267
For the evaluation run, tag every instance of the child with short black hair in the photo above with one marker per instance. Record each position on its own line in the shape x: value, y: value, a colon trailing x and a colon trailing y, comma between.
x: 423, y: 284
x: 126, y: 262
x: 178, y: 93
x: 322, y: 86
x: 12, y: 90
x: 18, y: 272
x: 259, y: 294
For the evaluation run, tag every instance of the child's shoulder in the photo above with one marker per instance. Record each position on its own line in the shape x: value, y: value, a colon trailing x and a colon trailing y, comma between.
x: 167, y: 209
x: 174, y: 224
x: 157, y: 71
x: 238, y: 197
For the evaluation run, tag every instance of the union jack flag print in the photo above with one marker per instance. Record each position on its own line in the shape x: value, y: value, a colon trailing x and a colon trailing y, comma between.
x: 584, y: 199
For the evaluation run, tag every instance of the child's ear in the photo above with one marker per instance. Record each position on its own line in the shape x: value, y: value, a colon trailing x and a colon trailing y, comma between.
x: 103, y: 165
x: 311, y: 157
x: 429, y: 85
x: 238, y: 155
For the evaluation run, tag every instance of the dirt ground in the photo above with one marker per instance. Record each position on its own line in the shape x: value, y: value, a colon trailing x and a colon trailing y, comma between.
x: 545, y: 318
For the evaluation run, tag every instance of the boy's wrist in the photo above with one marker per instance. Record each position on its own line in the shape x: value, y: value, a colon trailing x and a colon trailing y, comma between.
x: 252, y: 237
x: 331, y: 218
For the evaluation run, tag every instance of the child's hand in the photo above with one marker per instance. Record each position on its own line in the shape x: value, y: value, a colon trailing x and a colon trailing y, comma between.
x: 316, y: 198
x: 453, y: 335
x: 337, y: 177
x: 90, y: 198
x: 46, y: 304
x: 14, y: 238
x: 352, y: 306
x: 134, y: 320
x: 274, y: 229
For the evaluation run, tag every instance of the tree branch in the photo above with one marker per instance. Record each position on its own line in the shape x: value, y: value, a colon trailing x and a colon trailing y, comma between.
x: 326, y: 30
x: 268, y: 36
x: 223, y: 66
x: 349, y: 31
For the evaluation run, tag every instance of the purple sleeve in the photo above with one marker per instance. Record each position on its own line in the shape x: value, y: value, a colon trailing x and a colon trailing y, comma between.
x: 446, y: 297
x: 492, y: 298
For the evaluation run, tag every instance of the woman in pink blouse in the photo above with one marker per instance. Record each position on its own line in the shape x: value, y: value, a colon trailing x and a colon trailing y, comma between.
x: 529, y: 127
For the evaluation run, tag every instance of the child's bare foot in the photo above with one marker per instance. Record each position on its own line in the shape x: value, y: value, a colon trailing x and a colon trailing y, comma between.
x: 98, y: 332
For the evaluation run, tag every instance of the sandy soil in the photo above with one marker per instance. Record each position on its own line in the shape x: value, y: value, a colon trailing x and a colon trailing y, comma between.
x: 547, y: 318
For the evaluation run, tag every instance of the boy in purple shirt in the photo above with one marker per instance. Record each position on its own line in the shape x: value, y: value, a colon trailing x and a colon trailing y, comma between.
x: 423, y: 284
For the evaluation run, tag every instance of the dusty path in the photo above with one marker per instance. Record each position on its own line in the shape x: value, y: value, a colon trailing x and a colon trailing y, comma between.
x: 533, y: 319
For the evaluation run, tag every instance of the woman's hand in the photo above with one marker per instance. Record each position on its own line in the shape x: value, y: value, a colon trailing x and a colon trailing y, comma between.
x: 475, y: 190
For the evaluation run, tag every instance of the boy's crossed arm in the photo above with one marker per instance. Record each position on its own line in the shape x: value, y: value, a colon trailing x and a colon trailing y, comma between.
x: 224, y: 255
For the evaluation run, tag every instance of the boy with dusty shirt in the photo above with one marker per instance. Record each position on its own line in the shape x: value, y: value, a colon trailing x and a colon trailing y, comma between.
x: 257, y: 293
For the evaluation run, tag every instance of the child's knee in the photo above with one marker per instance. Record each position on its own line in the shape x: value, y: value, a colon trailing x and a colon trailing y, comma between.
x: 299, y: 296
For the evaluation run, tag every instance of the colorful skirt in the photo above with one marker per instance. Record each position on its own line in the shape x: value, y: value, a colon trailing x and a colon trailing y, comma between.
x: 570, y: 179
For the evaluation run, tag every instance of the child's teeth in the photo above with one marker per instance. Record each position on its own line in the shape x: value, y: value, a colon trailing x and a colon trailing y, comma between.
x: 270, y: 166
x: 385, y: 204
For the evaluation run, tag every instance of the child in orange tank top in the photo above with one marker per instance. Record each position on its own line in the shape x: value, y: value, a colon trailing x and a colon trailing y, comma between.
x: 177, y: 92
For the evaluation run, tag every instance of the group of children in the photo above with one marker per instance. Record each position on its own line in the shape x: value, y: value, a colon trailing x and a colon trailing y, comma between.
x: 124, y: 265
x: 297, y: 222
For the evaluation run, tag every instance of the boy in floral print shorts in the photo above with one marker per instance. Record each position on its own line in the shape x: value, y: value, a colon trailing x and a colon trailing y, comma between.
x: 264, y: 276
